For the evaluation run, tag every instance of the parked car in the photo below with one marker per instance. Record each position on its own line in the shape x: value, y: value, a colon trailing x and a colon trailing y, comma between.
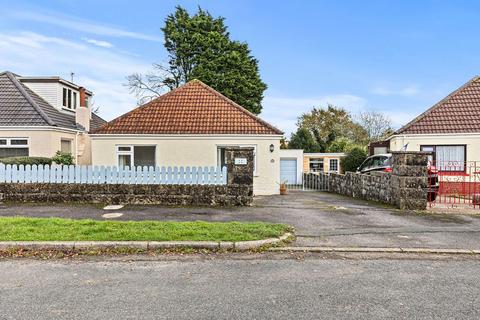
x: 383, y: 162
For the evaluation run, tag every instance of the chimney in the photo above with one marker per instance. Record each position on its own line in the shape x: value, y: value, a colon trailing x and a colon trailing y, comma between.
x: 83, y: 113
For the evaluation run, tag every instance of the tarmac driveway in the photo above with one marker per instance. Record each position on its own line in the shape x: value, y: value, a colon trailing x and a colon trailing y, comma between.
x: 319, y: 218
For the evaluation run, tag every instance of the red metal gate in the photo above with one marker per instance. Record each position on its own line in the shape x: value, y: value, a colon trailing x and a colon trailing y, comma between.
x: 458, y: 184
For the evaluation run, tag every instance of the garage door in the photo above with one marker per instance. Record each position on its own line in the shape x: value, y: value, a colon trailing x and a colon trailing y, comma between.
x: 288, y: 171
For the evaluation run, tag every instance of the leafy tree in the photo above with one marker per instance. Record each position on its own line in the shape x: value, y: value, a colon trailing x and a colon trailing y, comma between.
x: 330, y: 124
x: 354, y: 159
x: 303, y: 139
x: 283, y: 143
x: 341, y: 144
x: 377, y: 125
x: 199, y: 47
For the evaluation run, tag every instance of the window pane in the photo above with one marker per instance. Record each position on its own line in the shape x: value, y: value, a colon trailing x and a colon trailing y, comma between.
x: 144, y: 155
x: 74, y: 100
x: 69, y: 99
x: 3, y: 141
x: 13, y: 152
x: 19, y: 142
x: 450, y: 158
x: 124, y: 160
x: 221, y: 161
x: 316, y: 165
x: 64, y: 97
x: 66, y: 146
x: 333, y: 165
x: 124, y: 148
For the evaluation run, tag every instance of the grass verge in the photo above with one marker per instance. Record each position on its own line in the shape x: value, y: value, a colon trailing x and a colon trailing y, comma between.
x: 57, y: 229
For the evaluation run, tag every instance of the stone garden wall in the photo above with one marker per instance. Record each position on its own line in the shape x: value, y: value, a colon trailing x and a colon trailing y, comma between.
x: 237, y: 192
x: 405, y: 187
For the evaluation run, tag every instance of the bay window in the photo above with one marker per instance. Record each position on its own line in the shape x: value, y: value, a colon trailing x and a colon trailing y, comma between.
x: 13, y: 147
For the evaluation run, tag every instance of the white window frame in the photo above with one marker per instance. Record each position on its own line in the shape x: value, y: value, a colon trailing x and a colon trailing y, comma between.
x: 254, y: 146
x: 330, y: 165
x: 131, y: 153
x: 9, y: 143
x: 318, y: 160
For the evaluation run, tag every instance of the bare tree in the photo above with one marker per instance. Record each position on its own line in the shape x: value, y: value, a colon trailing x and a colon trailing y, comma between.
x: 152, y: 85
x: 377, y: 124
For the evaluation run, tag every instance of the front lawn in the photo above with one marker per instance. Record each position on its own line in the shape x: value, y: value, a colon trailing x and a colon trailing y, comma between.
x: 56, y: 229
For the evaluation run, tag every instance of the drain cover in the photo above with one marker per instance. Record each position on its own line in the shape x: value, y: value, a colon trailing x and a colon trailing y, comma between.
x: 112, y: 215
x: 113, y: 207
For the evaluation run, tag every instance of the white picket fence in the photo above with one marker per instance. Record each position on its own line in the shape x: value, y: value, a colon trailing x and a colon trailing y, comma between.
x: 112, y: 175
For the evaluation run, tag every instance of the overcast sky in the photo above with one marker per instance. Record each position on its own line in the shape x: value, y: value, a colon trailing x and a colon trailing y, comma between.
x: 398, y: 57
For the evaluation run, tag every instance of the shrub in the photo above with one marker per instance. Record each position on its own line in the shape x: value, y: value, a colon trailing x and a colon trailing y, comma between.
x: 26, y: 160
x: 354, y: 159
x: 65, y: 158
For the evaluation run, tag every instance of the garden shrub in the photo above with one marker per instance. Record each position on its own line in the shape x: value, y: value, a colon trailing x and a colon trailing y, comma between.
x: 26, y: 160
x: 65, y: 158
x: 354, y: 159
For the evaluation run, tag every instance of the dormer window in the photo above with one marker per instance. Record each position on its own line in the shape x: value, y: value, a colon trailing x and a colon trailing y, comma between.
x: 69, y: 99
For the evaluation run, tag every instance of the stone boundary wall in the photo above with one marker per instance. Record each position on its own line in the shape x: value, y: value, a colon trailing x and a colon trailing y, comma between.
x: 163, y: 194
x: 406, y: 187
x: 237, y: 192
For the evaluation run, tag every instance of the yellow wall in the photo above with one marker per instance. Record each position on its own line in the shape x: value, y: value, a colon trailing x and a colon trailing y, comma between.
x: 45, y: 142
x: 197, y: 151
x: 472, y: 141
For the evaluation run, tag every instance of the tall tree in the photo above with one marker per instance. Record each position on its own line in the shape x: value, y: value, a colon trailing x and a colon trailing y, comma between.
x: 303, y: 139
x: 199, y: 47
x: 376, y: 124
x: 330, y: 124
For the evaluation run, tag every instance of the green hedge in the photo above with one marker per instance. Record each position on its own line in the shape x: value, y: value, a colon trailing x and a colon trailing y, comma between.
x: 26, y: 160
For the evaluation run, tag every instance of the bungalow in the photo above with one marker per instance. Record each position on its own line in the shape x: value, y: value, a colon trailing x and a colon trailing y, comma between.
x: 450, y: 129
x: 42, y: 115
x: 190, y: 126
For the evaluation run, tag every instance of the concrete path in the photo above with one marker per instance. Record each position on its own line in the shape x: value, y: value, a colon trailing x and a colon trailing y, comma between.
x: 320, y: 219
x: 236, y: 288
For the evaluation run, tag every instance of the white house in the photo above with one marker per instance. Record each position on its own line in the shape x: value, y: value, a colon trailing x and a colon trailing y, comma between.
x: 190, y: 126
x: 42, y: 115
x: 450, y: 129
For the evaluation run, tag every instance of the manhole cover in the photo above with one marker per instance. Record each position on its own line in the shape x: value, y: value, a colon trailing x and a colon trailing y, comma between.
x: 112, y: 215
x: 113, y: 207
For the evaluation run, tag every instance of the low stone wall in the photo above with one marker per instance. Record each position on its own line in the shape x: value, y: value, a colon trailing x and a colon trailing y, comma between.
x: 190, y: 195
x: 376, y: 186
x: 406, y: 187
x: 237, y: 192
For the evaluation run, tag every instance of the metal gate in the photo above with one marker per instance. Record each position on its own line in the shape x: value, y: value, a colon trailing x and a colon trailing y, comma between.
x: 312, y: 181
x: 458, y: 185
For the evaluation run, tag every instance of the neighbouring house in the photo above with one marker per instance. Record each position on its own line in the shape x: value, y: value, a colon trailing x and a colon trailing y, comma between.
x: 294, y: 162
x: 450, y: 129
x: 42, y: 115
x: 190, y: 126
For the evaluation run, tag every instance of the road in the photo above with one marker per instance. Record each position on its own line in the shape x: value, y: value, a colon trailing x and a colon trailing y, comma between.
x: 241, y: 287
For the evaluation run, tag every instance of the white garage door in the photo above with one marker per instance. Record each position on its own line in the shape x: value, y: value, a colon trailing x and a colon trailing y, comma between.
x: 288, y: 171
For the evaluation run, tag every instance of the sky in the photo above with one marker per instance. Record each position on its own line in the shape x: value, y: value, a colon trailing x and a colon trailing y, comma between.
x: 397, y: 57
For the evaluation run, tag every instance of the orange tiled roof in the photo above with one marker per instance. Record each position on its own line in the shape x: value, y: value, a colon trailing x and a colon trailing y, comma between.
x: 459, y: 112
x: 193, y: 108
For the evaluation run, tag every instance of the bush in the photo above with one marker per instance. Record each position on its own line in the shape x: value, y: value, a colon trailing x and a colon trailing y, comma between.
x: 26, y: 160
x: 65, y: 158
x: 354, y: 159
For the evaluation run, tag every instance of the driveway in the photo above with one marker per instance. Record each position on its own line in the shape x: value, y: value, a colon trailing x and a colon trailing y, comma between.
x: 319, y: 218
